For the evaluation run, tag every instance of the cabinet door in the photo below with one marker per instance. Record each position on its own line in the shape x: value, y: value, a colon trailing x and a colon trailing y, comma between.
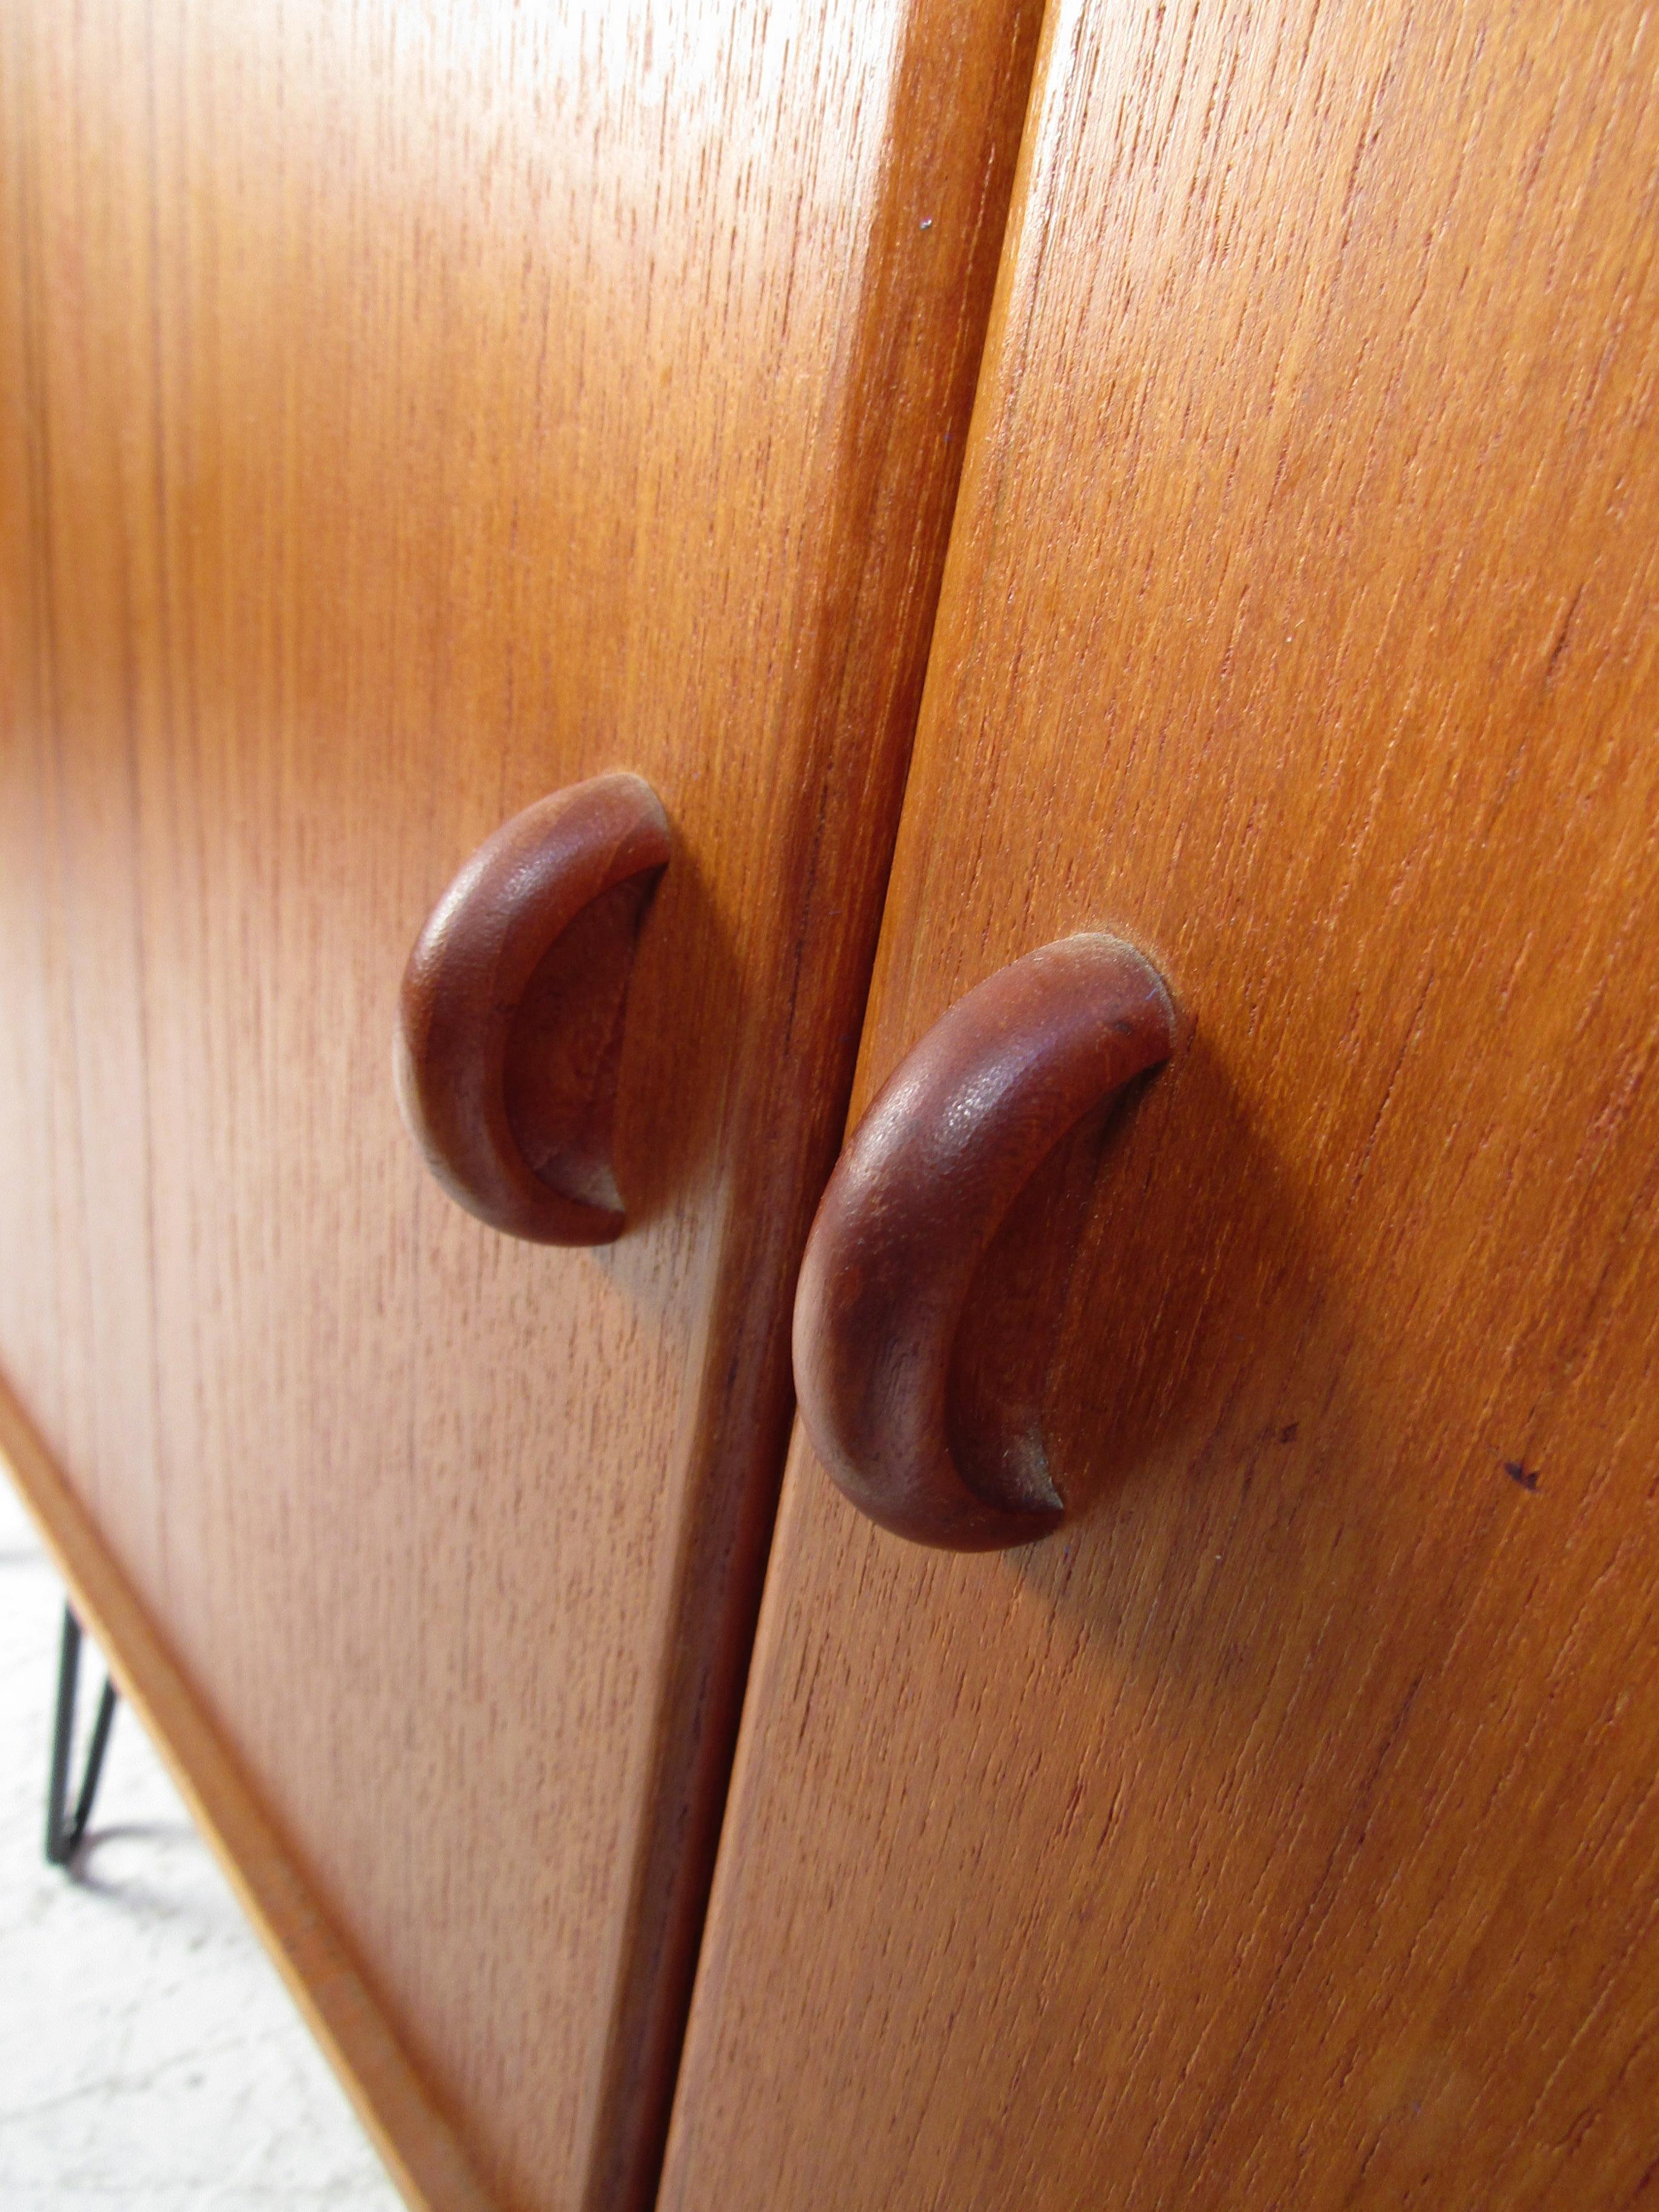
x: 408, y: 411
x: 1282, y: 1832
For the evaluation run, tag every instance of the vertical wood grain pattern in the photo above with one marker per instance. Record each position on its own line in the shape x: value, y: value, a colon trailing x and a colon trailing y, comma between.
x: 408, y: 410
x: 1288, y: 1833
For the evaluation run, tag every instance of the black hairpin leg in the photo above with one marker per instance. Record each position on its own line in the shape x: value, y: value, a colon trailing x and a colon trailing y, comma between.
x: 64, y: 1836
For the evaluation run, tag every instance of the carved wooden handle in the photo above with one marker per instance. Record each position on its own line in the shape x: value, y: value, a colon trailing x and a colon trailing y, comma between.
x: 510, y: 1021
x: 918, y: 1195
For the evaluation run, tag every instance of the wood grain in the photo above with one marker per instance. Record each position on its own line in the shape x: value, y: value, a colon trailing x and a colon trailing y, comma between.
x: 408, y: 411
x: 1287, y: 1834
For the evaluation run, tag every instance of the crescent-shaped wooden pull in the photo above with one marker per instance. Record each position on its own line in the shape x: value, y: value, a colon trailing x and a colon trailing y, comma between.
x: 916, y: 1198
x: 510, y: 1021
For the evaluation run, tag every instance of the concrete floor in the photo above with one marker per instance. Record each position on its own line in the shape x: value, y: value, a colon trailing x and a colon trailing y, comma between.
x: 150, y: 2060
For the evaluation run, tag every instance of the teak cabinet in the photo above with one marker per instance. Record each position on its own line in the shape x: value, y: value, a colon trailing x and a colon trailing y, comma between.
x: 409, y: 412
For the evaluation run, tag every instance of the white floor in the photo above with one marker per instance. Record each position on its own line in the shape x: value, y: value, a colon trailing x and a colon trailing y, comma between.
x: 150, y: 2060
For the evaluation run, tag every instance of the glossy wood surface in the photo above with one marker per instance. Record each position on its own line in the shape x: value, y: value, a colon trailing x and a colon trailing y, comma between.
x: 509, y: 1034
x: 911, y: 1214
x: 407, y: 412
x: 1286, y: 1834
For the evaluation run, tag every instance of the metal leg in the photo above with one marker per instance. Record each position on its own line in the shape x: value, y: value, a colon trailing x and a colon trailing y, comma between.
x: 64, y: 1836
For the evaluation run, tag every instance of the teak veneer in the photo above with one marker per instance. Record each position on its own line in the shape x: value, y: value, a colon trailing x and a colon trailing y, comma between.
x: 405, y: 413
x: 1285, y: 1831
